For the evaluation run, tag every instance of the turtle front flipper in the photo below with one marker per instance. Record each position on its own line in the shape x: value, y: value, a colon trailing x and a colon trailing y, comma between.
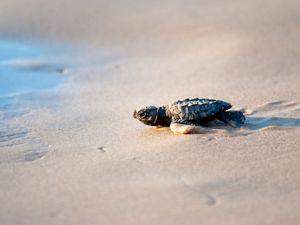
x: 187, y: 127
x: 233, y: 118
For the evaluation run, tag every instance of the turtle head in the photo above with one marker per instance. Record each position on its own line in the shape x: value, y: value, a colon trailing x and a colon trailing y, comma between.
x: 152, y: 116
x: 147, y: 115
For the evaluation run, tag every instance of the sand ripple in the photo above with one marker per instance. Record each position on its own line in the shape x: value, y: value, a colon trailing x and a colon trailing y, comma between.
x: 17, y: 144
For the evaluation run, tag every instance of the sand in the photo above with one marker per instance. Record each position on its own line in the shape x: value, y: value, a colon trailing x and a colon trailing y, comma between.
x: 75, y: 155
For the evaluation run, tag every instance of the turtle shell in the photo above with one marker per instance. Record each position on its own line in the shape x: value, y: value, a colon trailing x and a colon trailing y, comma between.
x: 196, y: 109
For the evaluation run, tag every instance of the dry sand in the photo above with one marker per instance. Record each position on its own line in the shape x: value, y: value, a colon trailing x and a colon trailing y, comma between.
x: 85, y: 160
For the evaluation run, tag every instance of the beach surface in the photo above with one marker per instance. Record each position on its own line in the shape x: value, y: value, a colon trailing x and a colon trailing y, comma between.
x: 71, y: 152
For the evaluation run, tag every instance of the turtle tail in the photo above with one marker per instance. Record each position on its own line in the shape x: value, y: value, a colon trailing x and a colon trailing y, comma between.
x: 232, y: 118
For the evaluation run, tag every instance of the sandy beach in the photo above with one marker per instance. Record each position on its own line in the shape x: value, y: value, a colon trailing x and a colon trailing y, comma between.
x: 71, y: 152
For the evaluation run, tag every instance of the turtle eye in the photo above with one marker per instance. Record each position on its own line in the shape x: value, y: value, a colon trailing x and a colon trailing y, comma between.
x: 142, y: 114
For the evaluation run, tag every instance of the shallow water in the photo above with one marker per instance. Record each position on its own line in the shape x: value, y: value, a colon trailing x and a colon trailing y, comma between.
x: 25, y: 68
x: 28, y: 73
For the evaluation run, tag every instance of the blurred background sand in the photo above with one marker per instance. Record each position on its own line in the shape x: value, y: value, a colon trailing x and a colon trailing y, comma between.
x: 84, y: 160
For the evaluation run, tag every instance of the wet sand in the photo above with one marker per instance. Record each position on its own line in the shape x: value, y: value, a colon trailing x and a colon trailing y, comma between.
x: 75, y: 155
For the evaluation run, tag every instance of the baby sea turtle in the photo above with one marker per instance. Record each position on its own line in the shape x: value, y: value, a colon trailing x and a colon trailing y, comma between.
x: 186, y: 116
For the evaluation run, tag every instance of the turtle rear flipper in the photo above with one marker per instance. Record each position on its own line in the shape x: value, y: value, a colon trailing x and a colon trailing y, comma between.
x: 232, y: 118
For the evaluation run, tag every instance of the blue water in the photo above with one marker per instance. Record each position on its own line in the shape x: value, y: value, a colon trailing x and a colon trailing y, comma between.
x: 26, y: 68
x: 29, y: 75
